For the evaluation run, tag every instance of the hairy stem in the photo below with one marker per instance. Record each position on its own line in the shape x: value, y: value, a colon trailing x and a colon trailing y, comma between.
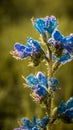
x: 49, y: 101
x: 50, y: 74
x: 50, y: 98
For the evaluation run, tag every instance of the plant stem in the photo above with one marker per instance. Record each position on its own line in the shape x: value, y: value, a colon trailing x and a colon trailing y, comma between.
x: 50, y: 75
x: 49, y: 62
x: 49, y: 101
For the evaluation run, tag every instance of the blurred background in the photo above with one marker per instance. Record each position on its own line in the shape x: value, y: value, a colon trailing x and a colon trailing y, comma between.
x: 16, y: 26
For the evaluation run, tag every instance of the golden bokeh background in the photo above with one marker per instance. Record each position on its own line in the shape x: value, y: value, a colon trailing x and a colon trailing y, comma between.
x: 16, y: 26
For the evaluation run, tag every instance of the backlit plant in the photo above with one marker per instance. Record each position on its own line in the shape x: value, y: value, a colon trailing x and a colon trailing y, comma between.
x: 59, y: 51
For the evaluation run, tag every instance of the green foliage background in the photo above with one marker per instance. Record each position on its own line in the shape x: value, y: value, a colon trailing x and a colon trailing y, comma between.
x: 15, y: 26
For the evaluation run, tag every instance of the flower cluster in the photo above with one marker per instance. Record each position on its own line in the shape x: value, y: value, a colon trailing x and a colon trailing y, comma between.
x: 43, y: 25
x: 40, y: 84
x: 21, y: 51
x: 65, y: 110
x: 62, y: 44
x: 37, y: 124
x: 32, y: 49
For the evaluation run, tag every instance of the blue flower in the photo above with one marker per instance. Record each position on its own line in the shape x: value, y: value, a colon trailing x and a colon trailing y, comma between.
x: 47, y: 24
x: 38, y: 83
x: 66, y: 110
x: 57, y: 36
x: 37, y: 124
x: 34, y: 45
x: 63, y: 46
x: 62, y: 107
x: 32, y: 80
x: 22, y: 51
x: 56, y: 39
x: 69, y: 103
x: 44, y: 122
x: 66, y: 42
x: 42, y: 79
x: 65, y: 58
x: 69, y: 113
x: 39, y: 25
x: 53, y: 82
x: 40, y: 90
x: 27, y: 124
